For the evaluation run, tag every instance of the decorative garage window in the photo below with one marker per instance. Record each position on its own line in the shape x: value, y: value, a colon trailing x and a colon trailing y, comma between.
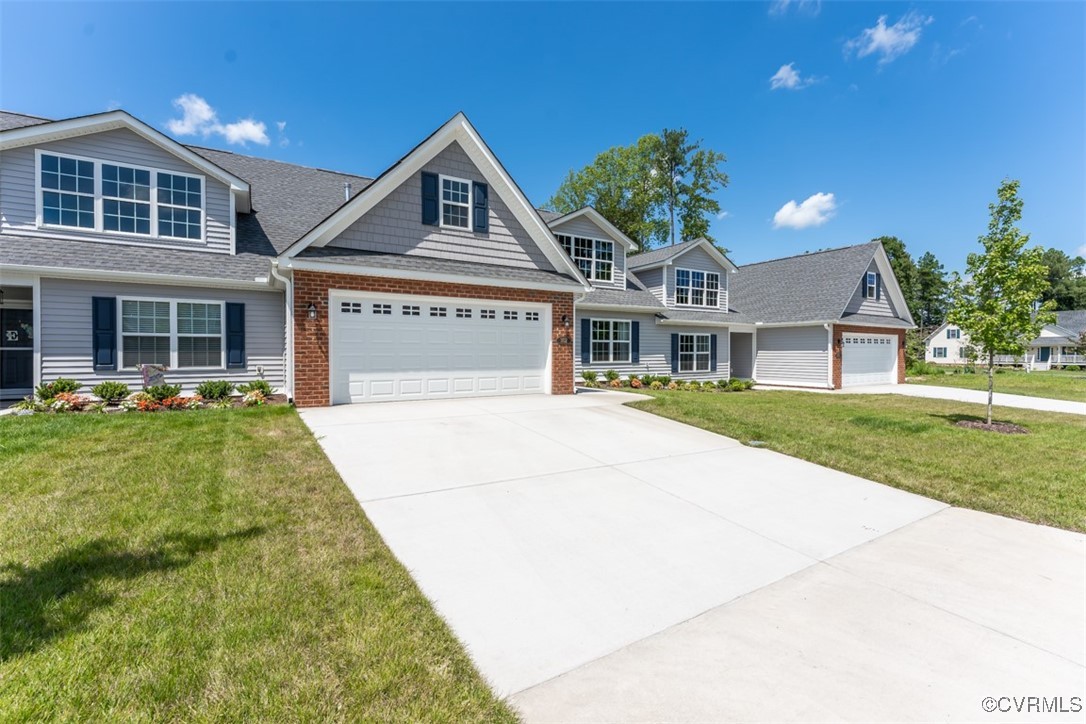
x: 67, y: 191
x: 455, y: 202
x: 410, y: 310
x: 594, y: 257
x: 145, y: 332
x: 350, y: 307
x: 151, y: 329
x: 938, y: 352
x: 462, y: 313
x: 694, y: 355
x: 126, y: 199
x: 610, y: 340
x: 531, y: 316
x: 697, y: 288
x: 486, y: 314
x: 382, y: 309
x: 438, y: 311
x: 510, y: 315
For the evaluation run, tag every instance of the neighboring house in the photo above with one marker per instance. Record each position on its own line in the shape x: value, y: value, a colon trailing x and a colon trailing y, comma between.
x: 1054, y: 347
x: 120, y: 246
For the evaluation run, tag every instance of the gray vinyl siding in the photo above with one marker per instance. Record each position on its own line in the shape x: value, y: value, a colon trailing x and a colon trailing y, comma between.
x: 653, y: 279
x: 66, y: 331
x: 394, y: 225
x: 742, y: 354
x: 697, y: 260
x: 585, y: 228
x: 655, y: 348
x: 18, y: 190
x: 793, y: 356
x: 882, y: 306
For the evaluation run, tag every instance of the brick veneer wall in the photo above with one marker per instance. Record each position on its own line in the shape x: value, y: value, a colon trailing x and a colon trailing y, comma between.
x: 311, y: 380
x: 840, y: 329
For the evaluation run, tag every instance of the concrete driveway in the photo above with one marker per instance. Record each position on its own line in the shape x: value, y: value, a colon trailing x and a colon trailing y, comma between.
x: 979, y: 397
x: 604, y: 564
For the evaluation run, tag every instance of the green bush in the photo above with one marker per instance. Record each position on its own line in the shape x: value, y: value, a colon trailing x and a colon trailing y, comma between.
x: 922, y: 369
x: 611, y: 375
x: 261, y: 386
x: 747, y: 384
x: 158, y: 393
x: 1072, y: 368
x: 736, y: 385
x: 46, y: 391
x: 722, y: 385
x: 708, y: 386
x: 589, y: 377
x: 215, y: 389
x: 691, y: 386
x: 665, y: 380
x: 110, y: 392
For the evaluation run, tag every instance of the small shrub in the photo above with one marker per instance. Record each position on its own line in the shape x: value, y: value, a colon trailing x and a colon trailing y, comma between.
x: 1072, y: 368
x: 922, y: 369
x: 614, y: 383
x: 68, y: 402
x: 656, y: 385
x: 611, y: 375
x: 708, y: 386
x: 691, y: 386
x: 722, y: 385
x: 46, y: 391
x: 672, y: 385
x: 215, y: 389
x: 747, y: 384
x: 253, y: 398
x: 635, y: 382
x: 736, y: 385
x: 110, y: 392
x: 182, y: 403
x: 261, y: 386
x: 30, y: 404
x: 158, y: 393
x: 589, y: 377
x: 665, y: 380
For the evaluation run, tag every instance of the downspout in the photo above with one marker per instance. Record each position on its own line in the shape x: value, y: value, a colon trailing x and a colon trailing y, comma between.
x: 289, y: 366
x: 829, y: 350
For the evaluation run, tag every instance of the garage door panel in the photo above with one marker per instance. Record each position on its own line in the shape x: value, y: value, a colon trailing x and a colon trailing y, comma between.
x: 463, y: 351
x: 868, y: 359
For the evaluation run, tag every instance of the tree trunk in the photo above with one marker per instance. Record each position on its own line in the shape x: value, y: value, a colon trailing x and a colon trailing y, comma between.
x: 991, y: 381
x: 672, y: 205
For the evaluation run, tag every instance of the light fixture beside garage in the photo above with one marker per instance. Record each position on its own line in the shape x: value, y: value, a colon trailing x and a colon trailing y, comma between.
x: 311, y: 311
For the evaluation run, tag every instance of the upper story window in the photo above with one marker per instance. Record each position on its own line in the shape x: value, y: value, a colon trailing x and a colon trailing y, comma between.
x: 953, y: 333
x: 697, y: 288
x: 872, y: 282
x: 594, y: 257
x: 455, y: 202
x: 80, y: 193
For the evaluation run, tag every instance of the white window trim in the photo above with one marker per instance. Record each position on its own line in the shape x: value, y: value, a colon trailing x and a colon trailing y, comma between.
x: 173, y: 331
x: 610, y: 342
x: 593, y: 274
x: 99, y: 199
x: 939, y: 353
x: 872, y: 282
x: 953, y: 333
x: 708, y: 354
x: 690, y: 289
x: 441, y: 178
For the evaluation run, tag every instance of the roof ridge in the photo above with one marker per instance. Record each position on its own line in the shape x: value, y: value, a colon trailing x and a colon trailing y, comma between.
x: 809, y: 253
x: 274, y: 160
x: 24, y: 115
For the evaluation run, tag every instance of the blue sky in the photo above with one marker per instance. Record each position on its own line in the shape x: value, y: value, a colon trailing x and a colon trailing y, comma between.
x: 909, y: 122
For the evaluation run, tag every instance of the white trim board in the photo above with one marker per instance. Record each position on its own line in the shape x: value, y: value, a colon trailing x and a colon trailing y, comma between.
x: 349, y: 269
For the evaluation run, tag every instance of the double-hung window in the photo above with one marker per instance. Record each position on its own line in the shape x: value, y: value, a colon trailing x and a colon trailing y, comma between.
x: 594, y: 257
x: 697, y: 288
x: 610, y: 340
x: 953, y: 333
x: 872, y: 282
x: 694, y: 353
x: 114, y: 198
x: 179, y: 334
x: 938, y: 352
x: 455, y: 202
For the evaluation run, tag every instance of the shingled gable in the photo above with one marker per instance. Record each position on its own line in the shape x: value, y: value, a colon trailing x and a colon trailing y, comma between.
x: 553, y: 219
x: 457, y: 129
x: 667, y: 254
x: 46, y: 131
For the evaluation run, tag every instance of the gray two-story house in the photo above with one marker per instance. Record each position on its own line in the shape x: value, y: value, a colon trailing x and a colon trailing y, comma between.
x: 121, y: 247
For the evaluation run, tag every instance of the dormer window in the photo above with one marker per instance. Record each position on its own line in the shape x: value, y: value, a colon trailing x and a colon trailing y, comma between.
x: 594, y: 257
x: 455, y: 204
x: 697, y: 288
x: 111, y: 198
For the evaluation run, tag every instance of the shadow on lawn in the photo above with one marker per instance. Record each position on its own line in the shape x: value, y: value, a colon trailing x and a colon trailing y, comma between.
x: 41, y: 603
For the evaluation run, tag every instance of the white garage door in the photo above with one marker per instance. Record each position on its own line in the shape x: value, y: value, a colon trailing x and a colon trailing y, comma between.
x: 868, y: 359
x: 402, y: 348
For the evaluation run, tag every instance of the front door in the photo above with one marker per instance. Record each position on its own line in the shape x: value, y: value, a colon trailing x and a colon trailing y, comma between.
x: 16, y: 352
x: 1043, y: 354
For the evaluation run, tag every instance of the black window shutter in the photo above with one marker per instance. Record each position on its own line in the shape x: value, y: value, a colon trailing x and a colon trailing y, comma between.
x: 481, y: 207
x: 430, y: 207
x: 878, y: 287
x: 104, y: 332
x: 235, y: 335
x: 635, y: 343
x: 712, y: 353
x: 863, y: 287
x: 586, y: 341
x: 674, y: 354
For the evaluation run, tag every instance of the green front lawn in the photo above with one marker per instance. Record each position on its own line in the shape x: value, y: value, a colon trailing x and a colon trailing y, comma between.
x: 207, y: 566
x: 1055, y: 384
x: 912, y: 444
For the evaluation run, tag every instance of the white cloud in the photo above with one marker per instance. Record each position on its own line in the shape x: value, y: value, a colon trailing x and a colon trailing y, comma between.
x: 889, y: 42
x: 281, y: 125
x: 198, y: 118
x: 789, y: 78
x: 810, y: 7
x: 1081, y: 251
x: 723, y: 215
x: 814, y: 211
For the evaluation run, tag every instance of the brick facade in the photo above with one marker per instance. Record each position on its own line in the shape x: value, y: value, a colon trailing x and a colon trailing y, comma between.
x: 311, y: 352
x: 840, y: 329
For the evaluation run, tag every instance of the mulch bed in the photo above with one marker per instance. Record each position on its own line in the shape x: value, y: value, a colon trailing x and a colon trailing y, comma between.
x: 1005, y: 428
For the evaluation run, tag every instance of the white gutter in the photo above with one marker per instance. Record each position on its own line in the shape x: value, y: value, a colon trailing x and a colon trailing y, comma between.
x: 289, y: 282
x: 260, y: 282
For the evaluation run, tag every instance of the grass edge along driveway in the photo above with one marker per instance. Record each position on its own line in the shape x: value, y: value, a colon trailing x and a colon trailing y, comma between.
x: 1051, y: 384
x: 207, y: 566
x: 912, y: 444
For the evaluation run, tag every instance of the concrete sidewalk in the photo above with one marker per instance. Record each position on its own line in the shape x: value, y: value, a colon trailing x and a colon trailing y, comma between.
x: 975, y: 396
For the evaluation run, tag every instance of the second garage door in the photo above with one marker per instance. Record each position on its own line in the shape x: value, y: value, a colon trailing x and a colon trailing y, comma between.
x: 401, y: 348
x: 868, y: 359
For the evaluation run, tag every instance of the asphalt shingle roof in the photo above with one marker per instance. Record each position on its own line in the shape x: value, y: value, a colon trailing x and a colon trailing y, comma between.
x: 629, y: 297
x: 1073, y: 320
x: 655, y: 256
x: 875, y: 320
x: 10, y: 120
x: 806, y: 288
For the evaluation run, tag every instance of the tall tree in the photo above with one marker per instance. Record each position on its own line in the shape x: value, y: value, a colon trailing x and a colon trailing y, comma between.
x: 652, y: 190
x: 931, y: 291
x: 904, y: 270
x: 995, y: 303
x: 1066, y: 278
